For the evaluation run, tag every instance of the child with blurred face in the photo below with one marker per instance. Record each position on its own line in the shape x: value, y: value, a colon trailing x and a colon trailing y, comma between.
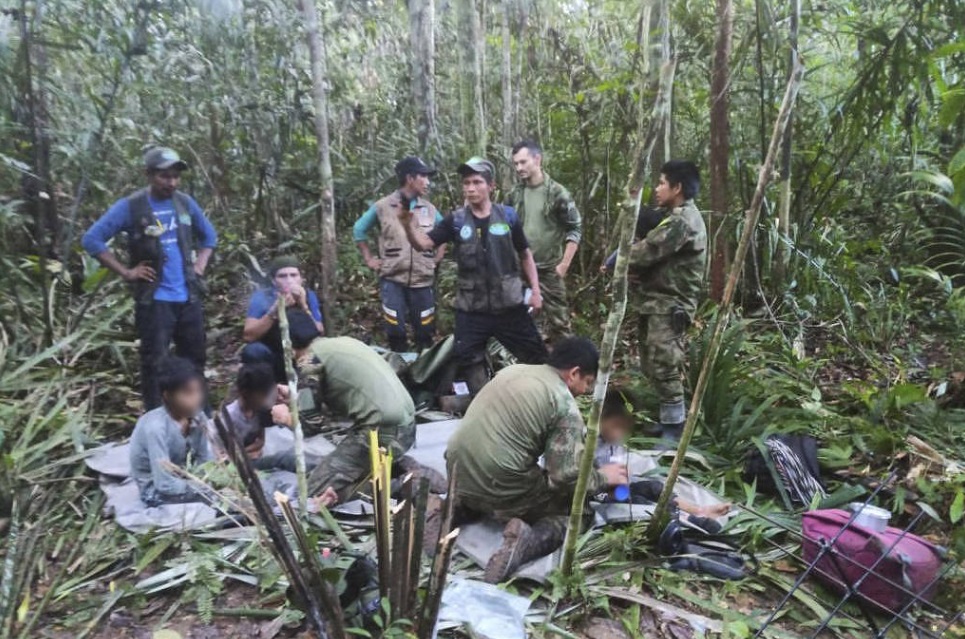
x: 171, y: 435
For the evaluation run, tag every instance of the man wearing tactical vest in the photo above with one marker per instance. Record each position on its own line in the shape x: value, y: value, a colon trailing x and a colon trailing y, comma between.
x: 668, y: 267
x: 169, y: 244
x: 406, y: 275
x: 491, y: 254
x: 553, y: 226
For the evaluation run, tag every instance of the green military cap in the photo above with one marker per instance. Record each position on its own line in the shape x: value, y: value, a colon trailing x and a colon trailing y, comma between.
x: 284, y: 261
x: 479, y: 165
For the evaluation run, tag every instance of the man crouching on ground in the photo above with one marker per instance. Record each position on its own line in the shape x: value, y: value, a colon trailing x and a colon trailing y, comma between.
x: 358, y: 385
x: 525, y: 412
x: 173, y: 434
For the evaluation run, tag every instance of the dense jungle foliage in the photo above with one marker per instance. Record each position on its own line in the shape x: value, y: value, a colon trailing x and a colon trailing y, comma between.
x: 851, y: 314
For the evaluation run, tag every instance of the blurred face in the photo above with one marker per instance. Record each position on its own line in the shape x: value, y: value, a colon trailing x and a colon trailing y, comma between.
x: 255, y: 401
x: 417, y: 184
x: 616, y: 428
x: 475, y: 189
x: 164, y: 183
x: 287, y: 278
x: 186, y: 401
x: 527, y: 164
x: 667, y: 195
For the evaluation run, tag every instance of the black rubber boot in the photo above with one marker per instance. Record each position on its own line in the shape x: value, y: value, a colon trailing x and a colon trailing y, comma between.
x: 522, y: 543
x: 670, y: 435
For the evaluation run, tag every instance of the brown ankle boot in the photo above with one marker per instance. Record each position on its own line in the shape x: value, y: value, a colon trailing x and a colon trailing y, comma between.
x: 522, y: 543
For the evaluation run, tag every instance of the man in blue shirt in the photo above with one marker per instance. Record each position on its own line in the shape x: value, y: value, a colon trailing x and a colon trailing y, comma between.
x: 169, y: 243
x: 262, y: 332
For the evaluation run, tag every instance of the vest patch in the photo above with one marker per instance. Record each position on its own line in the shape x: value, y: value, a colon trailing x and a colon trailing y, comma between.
x: 500, y: 228
x: 465, y: 233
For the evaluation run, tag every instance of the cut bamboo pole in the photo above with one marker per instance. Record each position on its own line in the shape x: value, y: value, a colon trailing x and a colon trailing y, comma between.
x: 383, y: 518
x: 611, y: 334
x: 279, y: 542
x: 331, y: 605
x: 292, y: 377
x: 658, y: 521
x: 437, y: 584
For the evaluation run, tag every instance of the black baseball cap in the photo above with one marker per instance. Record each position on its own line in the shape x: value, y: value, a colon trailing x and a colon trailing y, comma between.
x: 412, y: 165
x: 161, y: 158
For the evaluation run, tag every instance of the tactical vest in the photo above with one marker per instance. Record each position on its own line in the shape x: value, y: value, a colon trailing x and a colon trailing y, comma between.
x: 145, y: 246
x: 401, y: 262
x: 488, y: 267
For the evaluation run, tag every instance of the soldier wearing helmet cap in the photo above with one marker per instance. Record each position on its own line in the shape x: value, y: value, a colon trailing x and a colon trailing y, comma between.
x: 169, y: 244
x: 406, y: 274
x: 492, y: 256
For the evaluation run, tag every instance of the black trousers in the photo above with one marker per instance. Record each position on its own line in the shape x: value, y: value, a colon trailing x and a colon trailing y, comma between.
x: 514, y: 328
x: 160, y: 323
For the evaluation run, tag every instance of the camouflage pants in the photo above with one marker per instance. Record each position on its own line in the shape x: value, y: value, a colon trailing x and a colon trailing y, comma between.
x: 538, y: 505
x: 662, y: 353
x: 554, y: 320
x: 351, y: 460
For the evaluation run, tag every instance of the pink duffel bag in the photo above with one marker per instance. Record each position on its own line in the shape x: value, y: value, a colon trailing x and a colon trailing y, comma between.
x: 911, y: 566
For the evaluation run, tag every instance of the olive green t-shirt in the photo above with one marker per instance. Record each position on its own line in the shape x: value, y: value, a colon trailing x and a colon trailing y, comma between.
x: 355, y: 382
x: 544, y: 234
x: 524, y: 413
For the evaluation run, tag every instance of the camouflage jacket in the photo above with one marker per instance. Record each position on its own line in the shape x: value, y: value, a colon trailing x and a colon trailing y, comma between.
x: 548, y: 230
x: 525, y: 412
x: 669, y: 263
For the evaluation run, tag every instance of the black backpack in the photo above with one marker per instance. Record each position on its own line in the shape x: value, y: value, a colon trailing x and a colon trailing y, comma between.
x: 786, y: 466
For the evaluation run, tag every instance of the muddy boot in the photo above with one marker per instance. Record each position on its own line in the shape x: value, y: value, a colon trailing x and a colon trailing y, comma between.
x: 522, y: 543
x: 437, y: 481
x: 670, y: 436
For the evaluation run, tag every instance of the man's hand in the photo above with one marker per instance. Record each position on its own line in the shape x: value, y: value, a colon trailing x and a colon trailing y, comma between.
x: 199, y: 269
x: 297, y: 295
x: 536, y: 302
x: 283, y: 394
x: 281, y: 415
x: 374, y: 263
x: 562, y: 269
x: 616, y: 474
x: 141, y: 272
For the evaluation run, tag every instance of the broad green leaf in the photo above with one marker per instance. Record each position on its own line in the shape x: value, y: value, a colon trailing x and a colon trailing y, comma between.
x: 957, y: 163
x: 958, y: 508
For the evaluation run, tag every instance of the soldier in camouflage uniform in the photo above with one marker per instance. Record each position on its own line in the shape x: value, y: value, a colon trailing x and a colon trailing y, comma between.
x: 356, y: 384
x: 668, y: 267
x: 553, y: 227
x: 525, y: 412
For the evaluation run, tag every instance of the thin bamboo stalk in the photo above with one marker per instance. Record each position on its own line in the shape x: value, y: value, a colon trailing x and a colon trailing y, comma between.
x: 659, y: 518
x: 292, y: 375
x: 611, y: 334
x: 383, y: 518
x: 420, y: 499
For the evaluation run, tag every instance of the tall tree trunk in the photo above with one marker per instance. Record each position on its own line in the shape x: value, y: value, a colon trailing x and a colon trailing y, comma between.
x: 506, y: 76
x: 666, y: 47
x: 38, y: 188
x: 784, y: 194
x: 422, y: 42
x: 327, y: 202
x: 720, y: 145
x: 477, y: 41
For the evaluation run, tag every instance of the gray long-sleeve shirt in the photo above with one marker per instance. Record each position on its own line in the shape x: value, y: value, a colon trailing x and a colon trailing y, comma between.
x: 158, y: 440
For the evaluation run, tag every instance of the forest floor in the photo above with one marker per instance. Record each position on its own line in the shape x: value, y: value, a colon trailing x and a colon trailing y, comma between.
x: 606, y: 604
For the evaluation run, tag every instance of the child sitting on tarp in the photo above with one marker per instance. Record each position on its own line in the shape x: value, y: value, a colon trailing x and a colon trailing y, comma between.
x: 256, y: 409
x: 616, y: 424
x: 172, y: 434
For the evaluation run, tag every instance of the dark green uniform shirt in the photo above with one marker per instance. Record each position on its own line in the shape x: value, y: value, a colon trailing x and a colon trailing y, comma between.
x: 355, y: 382
x: 669, y: 263
x: 553, y: 221
x: 524, y: 413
